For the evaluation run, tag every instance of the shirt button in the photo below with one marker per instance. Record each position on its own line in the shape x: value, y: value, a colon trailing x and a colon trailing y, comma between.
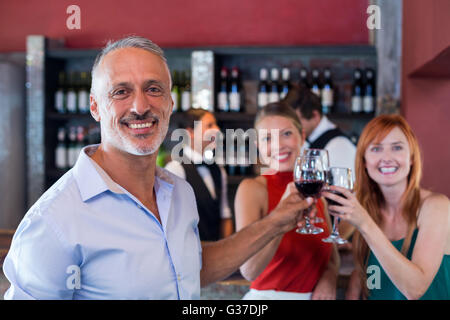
x: 178, y: 277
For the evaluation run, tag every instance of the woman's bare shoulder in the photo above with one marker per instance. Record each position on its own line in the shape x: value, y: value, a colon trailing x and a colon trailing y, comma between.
x: 430, y: 197
x: 257, y: 185
x: 433, y: 204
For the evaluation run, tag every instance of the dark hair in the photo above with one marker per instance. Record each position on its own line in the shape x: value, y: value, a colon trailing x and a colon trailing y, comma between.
x: 190, y: 116
x: 303, y: 99
x: 281, y: 109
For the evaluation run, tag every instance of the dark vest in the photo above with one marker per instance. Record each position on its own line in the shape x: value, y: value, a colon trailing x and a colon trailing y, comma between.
x: 326, y: 137
x: 208, y: 208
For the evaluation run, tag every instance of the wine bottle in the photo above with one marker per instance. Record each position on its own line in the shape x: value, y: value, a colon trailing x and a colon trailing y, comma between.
x: 186, y: 91
x: 80, y: 140
x: 83, y: 93
x: 369, y: 91
x: 315, y: 84
x: 285, y: 86
x: 72, y: 95
x: 60, y: 94
x: 61, y: 150
x: 327, y: 92
x: 304, y: 78
x: 274, y: 94
x: 263, y: 88
x: 222, y: 96
x: 175, y: 93
x: 357, y: 91
x: 72, y: 149
x: 234, y: 96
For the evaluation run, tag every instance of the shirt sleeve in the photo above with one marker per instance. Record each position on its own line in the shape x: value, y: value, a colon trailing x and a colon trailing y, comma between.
x: 176, y: 168
x: 225, y: 211
x: 342, y: 153
x: 38, y: 265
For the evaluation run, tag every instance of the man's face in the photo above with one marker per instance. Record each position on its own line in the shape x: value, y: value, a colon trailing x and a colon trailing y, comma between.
x: 132, y: 100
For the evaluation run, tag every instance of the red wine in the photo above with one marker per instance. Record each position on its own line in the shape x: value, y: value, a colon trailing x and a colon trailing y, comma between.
x: 332, y: 202
x: 310, y: 188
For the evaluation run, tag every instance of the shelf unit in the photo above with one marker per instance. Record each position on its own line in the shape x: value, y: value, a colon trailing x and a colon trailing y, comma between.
x: 44, y: 64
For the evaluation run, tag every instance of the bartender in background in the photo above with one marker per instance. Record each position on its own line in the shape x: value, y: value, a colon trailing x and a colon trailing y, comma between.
x: 209, y: 181
x: 320, y: 132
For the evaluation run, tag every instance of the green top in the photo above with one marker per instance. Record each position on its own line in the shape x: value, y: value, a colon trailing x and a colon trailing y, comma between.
x: 382, y: 288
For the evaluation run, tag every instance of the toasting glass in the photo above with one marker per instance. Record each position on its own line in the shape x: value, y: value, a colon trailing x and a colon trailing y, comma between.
x: 341, y: 177
x: 309, y: 180
x: 326, y: 167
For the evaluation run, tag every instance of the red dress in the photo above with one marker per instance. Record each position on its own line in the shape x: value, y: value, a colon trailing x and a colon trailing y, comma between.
x: 299, y: 260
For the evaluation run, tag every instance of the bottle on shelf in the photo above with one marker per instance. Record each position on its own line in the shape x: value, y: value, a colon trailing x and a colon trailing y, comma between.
x: 61, y: 150
x: 72, y: 95
x: 185, y: 91
x: 285, y: 85
x: 222, y: 96
x: 83, y: 93
x: 72, y: 149
x: 327, y: 92
x: 274, y: 94
x: 234, y: 96
x: 304, y: 78
x: 369, y: 91
x: 357, y: 91
x: 231, y: 157
x: 315, y: 83
x: 175, y: 92
x: 263, y: 88
x: 81, y: 140
x: 60, y: 94
x: 244, y: 164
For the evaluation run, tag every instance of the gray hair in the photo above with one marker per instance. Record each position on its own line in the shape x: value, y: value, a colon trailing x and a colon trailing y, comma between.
x: 127, y: 42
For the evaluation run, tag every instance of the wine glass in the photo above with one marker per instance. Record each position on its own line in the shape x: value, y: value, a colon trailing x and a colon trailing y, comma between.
x: 341, y: 177
x: 309, y: 181
x: 326, y: 167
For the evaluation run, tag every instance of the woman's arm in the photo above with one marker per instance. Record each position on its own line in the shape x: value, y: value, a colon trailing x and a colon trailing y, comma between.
x: 250, y: 206
x: 354, y: 287
x: 411, y: 277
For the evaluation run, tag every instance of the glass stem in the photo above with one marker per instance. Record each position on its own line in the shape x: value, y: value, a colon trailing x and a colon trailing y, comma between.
x: 307, y: 220
x: 336, y: 227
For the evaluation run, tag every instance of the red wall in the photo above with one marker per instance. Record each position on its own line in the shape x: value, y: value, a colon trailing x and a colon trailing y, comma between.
x: 426, y: 100
x: 172, y: 23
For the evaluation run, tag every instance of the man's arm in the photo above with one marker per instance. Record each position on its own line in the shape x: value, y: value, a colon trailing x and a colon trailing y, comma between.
x: 222, y: 258
x: 38, y: 265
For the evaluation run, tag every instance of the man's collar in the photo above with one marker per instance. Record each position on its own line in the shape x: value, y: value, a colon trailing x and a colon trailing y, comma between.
x: 92, y: 180
x: 324, y: 125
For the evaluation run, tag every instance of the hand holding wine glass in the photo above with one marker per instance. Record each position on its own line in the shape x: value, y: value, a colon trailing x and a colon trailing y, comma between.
x: 348, y: 207
x: 309, y: 180
x: 337, y: 177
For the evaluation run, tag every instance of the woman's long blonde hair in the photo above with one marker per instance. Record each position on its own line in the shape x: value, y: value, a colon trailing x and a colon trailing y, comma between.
x: 369, y: 194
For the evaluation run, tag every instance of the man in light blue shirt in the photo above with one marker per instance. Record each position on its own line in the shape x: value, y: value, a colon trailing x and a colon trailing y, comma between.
x: 117, y: 227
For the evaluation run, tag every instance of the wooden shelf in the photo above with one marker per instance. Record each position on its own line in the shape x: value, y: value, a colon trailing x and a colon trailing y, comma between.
x: 69, y: 116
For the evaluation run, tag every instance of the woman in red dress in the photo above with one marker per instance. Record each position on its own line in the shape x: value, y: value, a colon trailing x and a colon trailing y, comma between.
x: 292, y: 266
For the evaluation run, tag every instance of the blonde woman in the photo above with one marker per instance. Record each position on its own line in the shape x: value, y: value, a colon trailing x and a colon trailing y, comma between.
x: 292, y: 266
